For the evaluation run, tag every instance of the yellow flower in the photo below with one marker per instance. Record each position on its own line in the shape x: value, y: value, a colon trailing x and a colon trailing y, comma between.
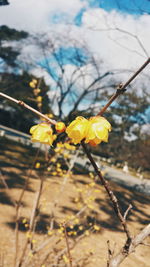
x: 32, y: 84
x: 42, y: 133
x: 96, y: 227
x: 69, y: 147
x: 39, y: 104
x: 39, y: 98
x: 97, y: 131
x: 65, y: 258
x: 60, y: 127
x: 50, y: 115
x: 37, y: 165
x: 36, y: 91
x: 77, y: 129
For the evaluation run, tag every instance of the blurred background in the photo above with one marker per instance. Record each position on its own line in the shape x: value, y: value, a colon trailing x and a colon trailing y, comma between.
x: 76, y: 53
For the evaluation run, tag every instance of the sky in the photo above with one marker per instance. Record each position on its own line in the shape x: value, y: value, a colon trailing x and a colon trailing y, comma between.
x: 116, y: 31
x: 93, y: 20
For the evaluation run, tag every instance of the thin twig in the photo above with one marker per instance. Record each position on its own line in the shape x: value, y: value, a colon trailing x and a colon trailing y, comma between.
x: 67, y: 244
x: 32, y: 219
x: 18, y: 207
x: 127, y: 211
x: 122, y: 87
x: 24, y: 105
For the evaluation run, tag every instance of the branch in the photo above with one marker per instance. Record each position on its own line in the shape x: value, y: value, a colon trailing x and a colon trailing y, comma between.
x: 110, y: 193
x: 24, y: 105
x: 124, y: 252
x: 67, y: 244
x: 122, y: 87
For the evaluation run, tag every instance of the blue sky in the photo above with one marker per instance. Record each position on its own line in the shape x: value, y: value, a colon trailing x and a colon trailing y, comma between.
x: 133, y: 7
x: 77, y: 16
x: 127, y: 6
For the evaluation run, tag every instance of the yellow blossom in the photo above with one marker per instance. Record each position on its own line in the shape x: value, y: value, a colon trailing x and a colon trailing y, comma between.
x: 97, y: 131
x: 37, y: 165
x: 50, y: 115
x: 34, y: 241
x: 39, y: 98
x: 28, y: 235
x: 53, y: 160
x: 69, y: 147
x: 39, y: 104
x: 96, y: 227
x: 66, y: 155
x: 42, y: 133
x: 58, y: 165
x: 60, y: 127
x: 34, y: 81
x: 36, y: 91
x: 65, y: 258
x: 60, y: 145
x: 32, y: 84
x: 91, y: 175
x: 76, y: 221
x: 24, y: 220
x: 50, y: 233
x: 87, y: 233
x: 77, y: 129
x: 94, y: 131
x: 54, y: 173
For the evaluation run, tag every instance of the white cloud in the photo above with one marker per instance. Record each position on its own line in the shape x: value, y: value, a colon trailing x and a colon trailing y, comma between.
x: 117, y: 49
x: 35, y: 15
x: 120, y: 49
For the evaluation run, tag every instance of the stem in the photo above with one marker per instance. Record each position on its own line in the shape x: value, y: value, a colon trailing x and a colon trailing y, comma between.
x: 110, y: 193
x: 18, y: 209
x: 67, y: 243
x: 122, y: 87
x: 24, y: 105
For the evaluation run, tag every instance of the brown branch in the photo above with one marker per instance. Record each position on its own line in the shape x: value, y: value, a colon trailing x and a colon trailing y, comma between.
x: 18, y: 205
x: 127, y: 211
x: 67, y: 244
x: 122, y: 87
x: 125, y: 251
x: 110, y: 193
x: 24, y: 105
x: 31, y: 225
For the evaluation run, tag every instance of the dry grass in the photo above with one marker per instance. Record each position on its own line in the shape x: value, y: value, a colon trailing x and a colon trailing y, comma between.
x: 90, y: 244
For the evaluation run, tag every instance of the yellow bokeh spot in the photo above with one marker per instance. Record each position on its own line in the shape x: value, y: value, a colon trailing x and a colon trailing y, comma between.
x: 37, y: 165
x: 87, y: 233
x: 24, y: 220
x: 96, y: 227
x: 39, y: 98
x: 65, y: 258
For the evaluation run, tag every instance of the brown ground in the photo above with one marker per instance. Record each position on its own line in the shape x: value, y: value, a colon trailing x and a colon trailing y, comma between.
x: 77, y: 193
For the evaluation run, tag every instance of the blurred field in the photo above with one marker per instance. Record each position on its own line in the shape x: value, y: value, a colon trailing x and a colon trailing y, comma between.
x: 75, y: 199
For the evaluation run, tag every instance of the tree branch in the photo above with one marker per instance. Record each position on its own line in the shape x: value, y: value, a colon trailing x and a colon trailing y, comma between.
x: 122, y: 87
x: 24, y: 105
x: 125, y: 251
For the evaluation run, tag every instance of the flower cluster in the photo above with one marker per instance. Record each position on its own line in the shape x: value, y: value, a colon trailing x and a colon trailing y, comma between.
x: 36, y: 91
x: 92, y: 131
